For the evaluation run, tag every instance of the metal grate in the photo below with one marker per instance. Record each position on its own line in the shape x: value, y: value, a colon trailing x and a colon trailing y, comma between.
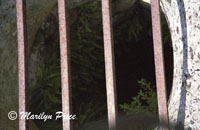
x: 159, y: 65
x: 22, y: 61
x: 109, y: 63
x: 65, y: 63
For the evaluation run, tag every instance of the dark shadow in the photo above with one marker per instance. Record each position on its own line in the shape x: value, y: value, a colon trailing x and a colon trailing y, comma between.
x: 137, y: 121
x: 181, y: 111
x: 168, y: 62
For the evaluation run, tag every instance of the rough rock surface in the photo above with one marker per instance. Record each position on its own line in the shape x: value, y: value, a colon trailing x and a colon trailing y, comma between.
x: 183, y: 20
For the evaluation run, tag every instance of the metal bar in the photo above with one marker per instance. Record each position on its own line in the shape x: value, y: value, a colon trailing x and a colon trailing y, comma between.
x: 65, y: 63
x: 22, y: 61
x: 109, y: 64
x: 159, y: 65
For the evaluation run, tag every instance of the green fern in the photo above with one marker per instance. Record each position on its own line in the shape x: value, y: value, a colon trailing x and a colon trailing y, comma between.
x: 145, y: 101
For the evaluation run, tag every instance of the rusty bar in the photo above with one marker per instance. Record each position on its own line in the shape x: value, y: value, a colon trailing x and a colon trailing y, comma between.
x: 159, y: 65
x: 65, y: 63
x: 109, y: 64
x: 22, y: 61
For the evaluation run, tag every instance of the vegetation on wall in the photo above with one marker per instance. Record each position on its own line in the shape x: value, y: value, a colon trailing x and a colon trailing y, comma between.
x: 144, y: 101
x: 87, y: 61
x: 87, y: 64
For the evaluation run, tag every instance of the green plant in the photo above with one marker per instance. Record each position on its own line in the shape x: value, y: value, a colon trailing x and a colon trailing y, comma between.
x: 88, y: 112
x: 47, y: 93
x: 87, y: 63
x: 87, y: 59
x: 145, y: 101
x: 87, y: 66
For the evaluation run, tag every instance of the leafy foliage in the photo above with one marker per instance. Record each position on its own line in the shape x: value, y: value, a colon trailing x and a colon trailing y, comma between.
x: 87, y: 61
x: 89, y: 112
x: 47, y: 93
x: 145, y: 101
x: 87, y: 48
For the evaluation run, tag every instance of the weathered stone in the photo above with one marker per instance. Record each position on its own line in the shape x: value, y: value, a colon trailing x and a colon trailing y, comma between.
x: 183, y: 20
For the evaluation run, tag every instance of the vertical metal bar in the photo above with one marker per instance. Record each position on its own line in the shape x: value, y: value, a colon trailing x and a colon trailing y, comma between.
x: 65, y: 63
x: 22, y: 61
x: 159, y: 65
x: 109, y: 64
